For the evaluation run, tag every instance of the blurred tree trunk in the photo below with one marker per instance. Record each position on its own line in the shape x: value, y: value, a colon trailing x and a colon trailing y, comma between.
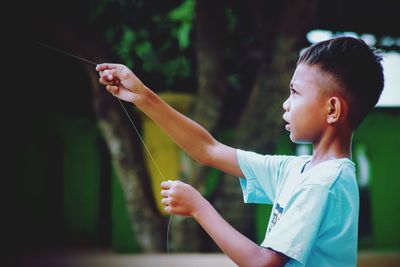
x: 280, y: 42
x: 211, y: 90
x: 149, y: 226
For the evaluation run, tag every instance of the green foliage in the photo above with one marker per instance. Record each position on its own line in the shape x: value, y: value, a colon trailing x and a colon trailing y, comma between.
x: 183, y: 15
x: 125, y: 46
x: 153, y: 38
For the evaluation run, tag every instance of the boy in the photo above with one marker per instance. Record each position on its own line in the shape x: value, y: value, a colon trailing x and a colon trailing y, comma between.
x: 315, y: 198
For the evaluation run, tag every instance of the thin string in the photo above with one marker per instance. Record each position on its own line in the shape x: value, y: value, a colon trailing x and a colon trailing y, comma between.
x: 141, y: 139
x: 168, y: 228
x: 63, y: 52
x: 129, y: 117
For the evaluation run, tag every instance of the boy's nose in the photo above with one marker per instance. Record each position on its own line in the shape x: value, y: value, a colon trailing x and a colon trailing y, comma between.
x: 286, y: 105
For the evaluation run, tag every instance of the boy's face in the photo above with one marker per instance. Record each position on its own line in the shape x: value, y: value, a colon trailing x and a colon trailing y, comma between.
x: 306, y: 109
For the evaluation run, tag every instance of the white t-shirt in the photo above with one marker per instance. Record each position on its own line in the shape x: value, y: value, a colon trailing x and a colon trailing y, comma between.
x: 314, y: 219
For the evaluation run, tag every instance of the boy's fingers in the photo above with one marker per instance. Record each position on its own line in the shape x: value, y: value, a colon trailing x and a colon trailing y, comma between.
x: 110, y: 76
x: 101, y: 67
x: 168, y: 209
x: 107, y: 77
x: 166, y: 201
x: 113, y: 89
x: 164, y: 193
x: 106, y: 81
x: 105, y: 66
x: 114, y: 72
x: 167, y: 184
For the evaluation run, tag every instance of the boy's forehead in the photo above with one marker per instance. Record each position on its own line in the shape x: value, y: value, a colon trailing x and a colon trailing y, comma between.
x: 306, y: 76
x: 302, y: 74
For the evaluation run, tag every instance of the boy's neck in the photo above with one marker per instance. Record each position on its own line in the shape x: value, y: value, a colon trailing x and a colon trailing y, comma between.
x: 332, y: 147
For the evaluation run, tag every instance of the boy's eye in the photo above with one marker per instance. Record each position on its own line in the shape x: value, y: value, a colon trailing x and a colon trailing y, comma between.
x: 292, y: 91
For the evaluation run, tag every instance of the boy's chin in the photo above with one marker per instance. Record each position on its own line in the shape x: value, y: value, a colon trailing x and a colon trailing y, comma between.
x: 299, y: 141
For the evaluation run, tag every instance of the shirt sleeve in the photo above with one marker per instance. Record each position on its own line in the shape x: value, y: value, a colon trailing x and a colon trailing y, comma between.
x: 261, y: 176
x: 295, y: 232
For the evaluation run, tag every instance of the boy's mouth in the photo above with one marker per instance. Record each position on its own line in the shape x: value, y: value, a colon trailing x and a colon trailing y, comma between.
x: 287, y: 126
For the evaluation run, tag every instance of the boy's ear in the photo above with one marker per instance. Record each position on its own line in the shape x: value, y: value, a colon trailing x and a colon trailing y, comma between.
x: 334, y: 110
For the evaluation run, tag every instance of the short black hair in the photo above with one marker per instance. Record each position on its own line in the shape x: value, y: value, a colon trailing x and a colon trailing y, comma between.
x: 357, y: 69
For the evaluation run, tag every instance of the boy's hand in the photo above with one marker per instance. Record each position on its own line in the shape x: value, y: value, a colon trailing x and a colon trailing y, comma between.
x: 181, y: 198
x: 121, y: 82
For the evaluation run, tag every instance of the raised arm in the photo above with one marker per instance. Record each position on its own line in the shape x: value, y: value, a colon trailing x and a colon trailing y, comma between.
x: 186, y: 133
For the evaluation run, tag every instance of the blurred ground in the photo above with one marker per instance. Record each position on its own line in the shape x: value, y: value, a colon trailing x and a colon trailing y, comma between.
x: 104, y: 258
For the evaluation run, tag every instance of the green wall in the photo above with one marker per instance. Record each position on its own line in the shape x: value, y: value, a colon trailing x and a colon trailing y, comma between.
x: 55, y: 197
x: 81, y: 185
x: 380, y: 133
x: 123, y: 239
x: 82, y: 194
